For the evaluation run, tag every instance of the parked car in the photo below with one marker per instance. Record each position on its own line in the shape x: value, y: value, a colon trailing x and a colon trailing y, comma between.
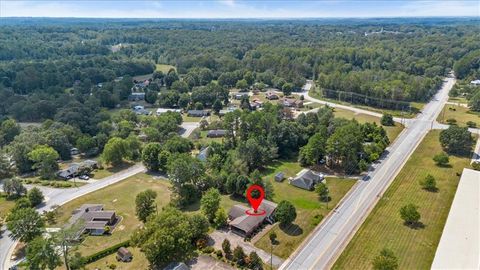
x: 84, y: 177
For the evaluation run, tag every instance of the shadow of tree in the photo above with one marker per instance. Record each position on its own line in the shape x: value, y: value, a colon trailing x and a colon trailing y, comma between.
x: 415, y: 225
x: 291, y: 229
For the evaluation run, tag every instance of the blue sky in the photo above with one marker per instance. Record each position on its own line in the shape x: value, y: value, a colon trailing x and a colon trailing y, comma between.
x: 238, y: 8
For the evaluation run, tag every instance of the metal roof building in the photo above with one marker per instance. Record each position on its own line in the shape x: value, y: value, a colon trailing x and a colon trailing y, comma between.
x: 459, y: 244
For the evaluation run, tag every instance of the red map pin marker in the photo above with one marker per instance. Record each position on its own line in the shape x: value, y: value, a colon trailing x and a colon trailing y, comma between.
x: 255, y: 202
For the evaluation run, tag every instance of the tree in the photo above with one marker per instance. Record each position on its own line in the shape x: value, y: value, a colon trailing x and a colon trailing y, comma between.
x: 456, y: 140
x: 145, y: 204
x: 151, y: 96
x: 322, y: 190
x: 410, y: 214
x: 41, y: 254
x: 474, y: 102
x: 217, y: 106
x: 14, y: 188
x: 387, y: 120
x: 239, y: 256
x: 169, y: 236
x: 220, y: 218
x: 273, y: 237
x: 86, y: 143
x: 25, y: 224
x: 429, y: 183
x: 314, y: 150
x: 285, y: 213
x: 115, y: 150
x: 255, y: 261
x: 386, y: 260
x: 241, y: 84
x: 64, y: 239
x: 35, y: 196
x: 287, y: 89
x: 226, y: 247
x: 210, y: 203
x: 8, y: 130
x: 441, y: 159
x: 150, y: 155
x: 45, y: 160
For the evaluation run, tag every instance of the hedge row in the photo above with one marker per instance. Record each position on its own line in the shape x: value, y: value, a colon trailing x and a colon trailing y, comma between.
x: 103, y: 253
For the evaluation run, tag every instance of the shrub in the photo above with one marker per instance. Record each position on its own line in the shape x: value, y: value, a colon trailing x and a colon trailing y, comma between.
x: 208, y: 249
x: 387, y: 120
x: 451, y: 121
x: 429, y: 183
x: 410, y: 214
x: 103, y: 253
x: 471, y: 124
x: 441, y: 159
x: 219, y: 254
x: 112, y: 266
x: 476, y: 165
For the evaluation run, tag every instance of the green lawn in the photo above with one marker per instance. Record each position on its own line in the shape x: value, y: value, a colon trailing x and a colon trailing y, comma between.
x: 186, y: 118
x: 415, y: 106
x: 5, y: 206
x: 392, y: 132
x: 310, y: 210
x: 121, y: 198
x: 461, y: 100
x: 414, y: 248
x: 459, y: 113
x: 139, y: 262
x: 163, y: 68
x: 109, y: 170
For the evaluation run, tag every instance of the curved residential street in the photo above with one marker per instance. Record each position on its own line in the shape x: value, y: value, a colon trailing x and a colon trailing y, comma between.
x: 327, y: 241
x: 57, y: 197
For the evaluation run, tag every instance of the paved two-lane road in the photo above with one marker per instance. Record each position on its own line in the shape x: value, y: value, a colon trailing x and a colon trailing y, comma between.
x: 328, y: 240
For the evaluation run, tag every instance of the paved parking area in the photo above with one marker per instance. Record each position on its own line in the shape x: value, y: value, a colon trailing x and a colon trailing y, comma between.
x: 206, y: 262
x: 218, y: 236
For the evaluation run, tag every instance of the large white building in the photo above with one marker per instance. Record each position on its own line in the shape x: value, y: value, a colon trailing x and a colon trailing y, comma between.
x: 459, y: 245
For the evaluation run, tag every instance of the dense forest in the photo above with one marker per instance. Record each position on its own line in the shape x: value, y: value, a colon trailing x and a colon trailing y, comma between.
x: 41, y: 58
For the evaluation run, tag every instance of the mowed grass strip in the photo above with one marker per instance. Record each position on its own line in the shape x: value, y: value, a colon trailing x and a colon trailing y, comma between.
x: 119, y: 197
x: 414, y: 248
x: 309, y: 209
x: 392, y: 132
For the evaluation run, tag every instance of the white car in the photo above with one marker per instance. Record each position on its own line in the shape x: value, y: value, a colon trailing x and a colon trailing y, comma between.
x: 84, y: 177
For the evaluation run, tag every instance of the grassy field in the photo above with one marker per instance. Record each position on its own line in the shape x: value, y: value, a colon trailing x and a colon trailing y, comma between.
x: 460, y: 100
x: 121, y: 198
x: 310, y: 210
x: 459, y: 113
x: 163, y: 68
x: 392, y: 132
x: 5, y: 205
x: 415, y: 106
x: 139, y: 262
x: 109, y: 170
x: 414, y: 248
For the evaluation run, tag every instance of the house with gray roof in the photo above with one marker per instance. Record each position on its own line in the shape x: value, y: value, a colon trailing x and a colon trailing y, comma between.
x: 198, y: 113
x: 93, y: 219
x: 245, y: 225
x: 216, y: 133
x: 306, y: 179
x: 203, y: 155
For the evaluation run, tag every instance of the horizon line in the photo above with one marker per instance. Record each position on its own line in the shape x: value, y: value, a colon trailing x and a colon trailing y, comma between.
x: 238, y: 18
